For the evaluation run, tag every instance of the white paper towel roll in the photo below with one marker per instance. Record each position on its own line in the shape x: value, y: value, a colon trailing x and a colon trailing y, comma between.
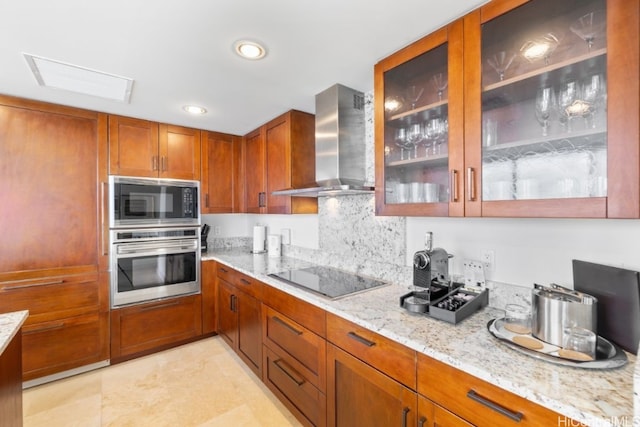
x: 259, y: 234
x: 274, y: 243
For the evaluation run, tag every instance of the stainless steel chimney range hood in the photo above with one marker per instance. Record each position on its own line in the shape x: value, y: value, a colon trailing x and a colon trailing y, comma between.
x: 340, y: 146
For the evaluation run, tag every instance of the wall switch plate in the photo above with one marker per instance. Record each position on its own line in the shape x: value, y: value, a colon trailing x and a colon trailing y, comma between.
x: 473, y: 274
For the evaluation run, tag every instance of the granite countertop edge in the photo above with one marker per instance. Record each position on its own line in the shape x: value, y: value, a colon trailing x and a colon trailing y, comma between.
x: 10, y: 324
x: 604, y: 396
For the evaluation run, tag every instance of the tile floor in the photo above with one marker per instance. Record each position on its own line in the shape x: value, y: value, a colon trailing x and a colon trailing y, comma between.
x: 200, y: 384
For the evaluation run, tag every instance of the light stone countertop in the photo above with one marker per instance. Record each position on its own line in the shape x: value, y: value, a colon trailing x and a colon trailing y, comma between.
x: 10, y: 324
x: 593, y: 397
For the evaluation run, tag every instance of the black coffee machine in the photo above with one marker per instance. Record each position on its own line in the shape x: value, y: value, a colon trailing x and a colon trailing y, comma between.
x: 204, y: 233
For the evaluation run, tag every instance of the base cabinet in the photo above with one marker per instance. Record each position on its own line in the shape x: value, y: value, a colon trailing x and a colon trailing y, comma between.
x: 11, y: 383
x: 146, y: 328
x: 209, y: 297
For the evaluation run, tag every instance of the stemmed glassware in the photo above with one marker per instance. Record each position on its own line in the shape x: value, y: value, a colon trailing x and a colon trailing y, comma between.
x: 435, y: 130
x: 592, y: 94
x: 567, y: 96
x: 400, y: 139
x: 414, y: 93
x: 500, y: 62
x: 540, y: 48
x: 545, y: 101
x: 588, y: 26
x: 414, y: 137
x: 440, y: 83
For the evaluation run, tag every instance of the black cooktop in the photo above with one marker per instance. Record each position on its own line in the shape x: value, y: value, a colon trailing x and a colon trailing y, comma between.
x: 327, y: 281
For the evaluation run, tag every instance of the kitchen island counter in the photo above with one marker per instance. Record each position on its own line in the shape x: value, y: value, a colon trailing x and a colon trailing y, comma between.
x: 10, y: 324
x: 594, y: 397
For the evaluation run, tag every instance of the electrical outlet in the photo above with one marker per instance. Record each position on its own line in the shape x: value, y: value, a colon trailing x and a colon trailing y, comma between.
x: 216, y: 230
x: 489, y: 259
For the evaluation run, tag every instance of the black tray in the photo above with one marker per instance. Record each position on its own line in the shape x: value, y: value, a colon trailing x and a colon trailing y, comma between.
x: 418, y: 302
x: 608, y: 354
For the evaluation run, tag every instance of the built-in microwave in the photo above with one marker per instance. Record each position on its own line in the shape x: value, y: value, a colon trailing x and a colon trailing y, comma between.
x: 151, y: 202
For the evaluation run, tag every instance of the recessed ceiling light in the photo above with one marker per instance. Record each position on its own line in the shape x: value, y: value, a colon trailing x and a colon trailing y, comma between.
x: 194, y: 109
x: 60, y: 75
x: 249, y: 50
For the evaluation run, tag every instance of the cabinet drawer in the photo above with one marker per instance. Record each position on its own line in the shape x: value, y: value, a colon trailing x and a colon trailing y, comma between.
x: 473, y: 399
x: 248, y: 285
x: 52, y: 298
x: 393, y: 359
x: 307, y: 315
x: 64, y: 344
x: 293, y: 388
x: 226, y: 273
x: 149, y: 326
x: 307, y: 348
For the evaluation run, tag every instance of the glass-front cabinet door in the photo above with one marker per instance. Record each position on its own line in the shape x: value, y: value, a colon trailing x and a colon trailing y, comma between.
x: 545, y: 126
x: 419, y: 127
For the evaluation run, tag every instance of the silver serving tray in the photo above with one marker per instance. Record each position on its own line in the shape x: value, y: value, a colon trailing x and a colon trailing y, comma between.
x: 608, y: 355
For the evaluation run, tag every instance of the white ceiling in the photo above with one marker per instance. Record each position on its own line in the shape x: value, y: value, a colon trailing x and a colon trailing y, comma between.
x: 181, y: 51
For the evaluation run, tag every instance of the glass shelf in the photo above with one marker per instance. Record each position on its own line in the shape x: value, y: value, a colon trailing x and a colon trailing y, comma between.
x: 420, y: 113
x: 431, y: 161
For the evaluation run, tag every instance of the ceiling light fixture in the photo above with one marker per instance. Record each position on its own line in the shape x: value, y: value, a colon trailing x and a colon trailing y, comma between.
x: 249, y: 49
x: 194, y: 109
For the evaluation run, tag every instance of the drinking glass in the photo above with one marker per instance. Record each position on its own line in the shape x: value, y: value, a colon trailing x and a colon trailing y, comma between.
x: 434, y: 130
x: 414, y: 137
x: 414, y: 93
x: 400, y: 140
x: 567, y: 96
x: 544, y: 106
x: 588, y: 26
x: 440, y: 83
x: 500, y: 62
x: 592, y: 93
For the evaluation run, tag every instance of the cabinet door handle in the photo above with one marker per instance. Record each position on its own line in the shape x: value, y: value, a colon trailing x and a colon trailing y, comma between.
x: 104, y: 196
x: 232, y: 303
x: 422, y: 421
x: 289, y: 371
x: 360, y: 339
x: 405, y: 412
x: 471, y: 184
x: 454, y: 186
x: 154, y: 163
x: 515, y: 416
x: 31, y: 285
x: 206, y: 200
x: 286, y: 325
x: 155, y: 307
x: 261, y: 199
x: 164, y: 160
x: 51, y: 327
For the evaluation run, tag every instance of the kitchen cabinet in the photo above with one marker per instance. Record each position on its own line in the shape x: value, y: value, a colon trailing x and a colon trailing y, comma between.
x: 222, y: 188
x: 294, y: 356
x: 209, y: 297
x: 280, y: 155
x: 47, y: 193
x: 145, y: 328
x: 11, y: 383
x: 546, y: 123
x: 432, y: 415
x: 148, y: 149
x: 239, y: 315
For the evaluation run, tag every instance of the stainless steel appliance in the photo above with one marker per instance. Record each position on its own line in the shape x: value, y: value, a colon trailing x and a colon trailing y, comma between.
x: 340, y: 145
x: 553, y: 308
x: 153, y: 263
x: 329, y: 282
x: 151, y: 202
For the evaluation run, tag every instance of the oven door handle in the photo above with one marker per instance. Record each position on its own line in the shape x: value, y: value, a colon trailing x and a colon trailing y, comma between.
x: 157, y: 248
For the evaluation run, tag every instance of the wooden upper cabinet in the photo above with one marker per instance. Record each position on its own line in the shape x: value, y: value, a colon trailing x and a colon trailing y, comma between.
x: 543, y: 111
x: 148, y: 149
x: 280, y: 155
x: 221, y: 183
x: 133, y: 147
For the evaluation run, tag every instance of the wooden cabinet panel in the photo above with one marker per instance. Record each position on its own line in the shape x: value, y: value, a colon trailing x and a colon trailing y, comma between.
x: 11, y: 383
x: 222, y: 186
x: 50, y: 166
x: 133, y: 147
x: 255, y: 172
x: 450, y: 388
x: 64, y: 344
x: 209, y: 297
x: 307, y: 315
x: 156, y: 325
x: 53, y: 298
x: 227, y: 317
x: 250, y: 331
x: 248, y: 285
x: 293, y: 389
x: 179, y: 151
x: 392, y: 358
x: 359, y: 395
x: 307, y: 349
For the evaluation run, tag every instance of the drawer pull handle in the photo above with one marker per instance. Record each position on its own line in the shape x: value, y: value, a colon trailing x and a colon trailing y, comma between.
x: 224, y: 270
x: 286, y: 325
x: 422, y: 421
x: 515, y: 416
x: 32, y: 285
x: 405, y: 412
x: 289, y: 371
x: 360, y: 339
x: 54, y: 326
x: 155, y: 307
x: 245, y: 281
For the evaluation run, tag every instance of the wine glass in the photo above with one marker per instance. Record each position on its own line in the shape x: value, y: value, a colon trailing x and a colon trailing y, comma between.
x: 567, y: 96
x: 588, y: 26
x: 544, y: 105
x: 414, y: 93
x: 592, y: 93
x: 500, y: 62
x: 400, y: 139
x: 440, y: 83
x: 414, y: 137
x: 540, y: 48
x: 434, y: 131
